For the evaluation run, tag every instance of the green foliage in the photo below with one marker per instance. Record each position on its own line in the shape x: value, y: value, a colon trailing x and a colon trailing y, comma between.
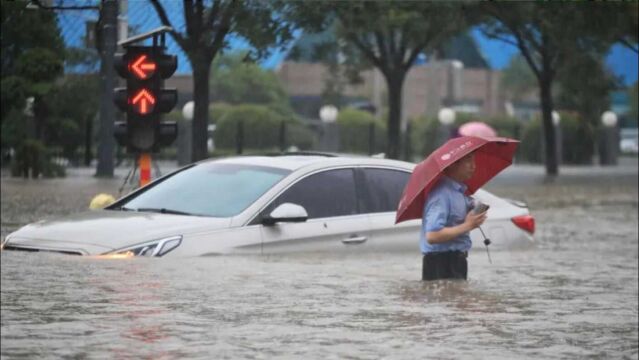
x: 217, y: 111
x: 424, y: 137
x: 39, y: 65
x: 14, y: 128
x: 24, y: 29
x: 384, y: 34
x: 354, y: 131
x: 68, y: 117
x: 236, y: 82
x: 530, y: 148
x: 261, y: 129
x: 32, y: 159
x: 585, y: 86
x: 578, y: 141
x: 518, y: 79
x: 32, y: 54
x: 13, y: 94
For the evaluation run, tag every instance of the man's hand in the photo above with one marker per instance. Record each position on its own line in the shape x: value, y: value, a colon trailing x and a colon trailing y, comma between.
x: 473, y: 221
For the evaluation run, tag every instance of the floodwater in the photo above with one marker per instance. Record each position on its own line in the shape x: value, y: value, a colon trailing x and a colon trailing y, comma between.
x: 573, y: 295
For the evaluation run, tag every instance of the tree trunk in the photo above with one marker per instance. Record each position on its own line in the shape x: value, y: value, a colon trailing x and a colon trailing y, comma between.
x: 394, y: 84
x: 199, y: 131
x: 545, y: 85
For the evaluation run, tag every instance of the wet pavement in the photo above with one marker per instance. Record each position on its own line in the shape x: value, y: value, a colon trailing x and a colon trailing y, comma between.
x: 574, y: 295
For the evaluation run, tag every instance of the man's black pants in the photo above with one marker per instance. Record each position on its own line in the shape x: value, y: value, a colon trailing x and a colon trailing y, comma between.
x: 445, y: 265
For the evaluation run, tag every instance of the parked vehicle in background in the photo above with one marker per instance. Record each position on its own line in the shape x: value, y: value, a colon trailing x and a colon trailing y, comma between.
x: 629, y: 141
x: 262, y: 205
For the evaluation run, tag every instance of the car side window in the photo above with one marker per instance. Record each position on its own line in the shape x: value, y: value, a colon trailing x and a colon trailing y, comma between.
x: 384, y: 188
x: 326, y: 194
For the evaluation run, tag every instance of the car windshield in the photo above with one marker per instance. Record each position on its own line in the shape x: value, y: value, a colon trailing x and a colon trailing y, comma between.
x: 209, y: 189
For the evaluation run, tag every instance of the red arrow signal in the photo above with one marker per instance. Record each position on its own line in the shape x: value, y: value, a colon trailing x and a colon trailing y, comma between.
x: 143, y: 102
x: 141, y: 69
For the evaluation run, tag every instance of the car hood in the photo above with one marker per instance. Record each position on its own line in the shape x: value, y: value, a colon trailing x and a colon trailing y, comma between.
x: 111, y: 230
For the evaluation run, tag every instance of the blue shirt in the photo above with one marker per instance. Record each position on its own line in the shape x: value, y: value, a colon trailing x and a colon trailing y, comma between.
x: 445, y: 206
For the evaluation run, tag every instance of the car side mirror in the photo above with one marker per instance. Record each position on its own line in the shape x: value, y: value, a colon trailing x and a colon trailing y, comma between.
x: 286, y: 212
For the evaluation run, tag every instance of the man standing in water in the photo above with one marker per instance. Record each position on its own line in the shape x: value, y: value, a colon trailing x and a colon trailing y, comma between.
x: 446, y: 223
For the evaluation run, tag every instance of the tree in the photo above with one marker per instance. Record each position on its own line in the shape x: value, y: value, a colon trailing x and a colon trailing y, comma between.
x: 517, y: 79
x: 29, y: 37
x: 236, y: 81
x: 32, y: 54
x: 387, y: 35
x: 549, y: 35
x: 634, y: 99
x: 546, y: 34
x: 585, y: 86
x: 207, y: 29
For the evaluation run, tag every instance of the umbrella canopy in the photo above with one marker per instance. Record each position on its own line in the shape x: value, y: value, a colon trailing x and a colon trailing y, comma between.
x: 477, y: 128
x: 492, y: 155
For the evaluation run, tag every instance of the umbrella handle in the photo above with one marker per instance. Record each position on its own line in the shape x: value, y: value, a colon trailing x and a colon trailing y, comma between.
x: 486, y: 242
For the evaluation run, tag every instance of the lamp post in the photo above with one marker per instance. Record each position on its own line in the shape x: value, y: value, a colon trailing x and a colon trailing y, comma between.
x: 446, y: 117
x: 330, y: 134
x: 608, y: 144
x: 184, y: 134
x: 556, y: 122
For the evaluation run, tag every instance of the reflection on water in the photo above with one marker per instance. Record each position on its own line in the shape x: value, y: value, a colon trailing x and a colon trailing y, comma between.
x: 571, y: 296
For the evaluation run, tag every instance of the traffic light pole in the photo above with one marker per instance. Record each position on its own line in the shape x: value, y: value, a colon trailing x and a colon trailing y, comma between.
x: 144, y: 99
x: 144, y: 162
x: 107, y: 110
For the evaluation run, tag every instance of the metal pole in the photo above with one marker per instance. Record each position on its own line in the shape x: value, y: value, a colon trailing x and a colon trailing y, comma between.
x: 107, y: 111
x: 239, y: 140
x: 145, y: 168
x: 371, y: 139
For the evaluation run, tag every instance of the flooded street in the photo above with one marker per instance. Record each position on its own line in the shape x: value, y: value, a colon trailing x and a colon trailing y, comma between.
x: 574, y: 295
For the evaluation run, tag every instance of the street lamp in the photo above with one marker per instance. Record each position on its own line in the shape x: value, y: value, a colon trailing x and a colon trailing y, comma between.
x: 556, y: 121
x: 608, y: 144
x: 187, y: 110
x: 446, y: 117
x: 328, y: 113
x: 184, y: 147
x: 330, y: 135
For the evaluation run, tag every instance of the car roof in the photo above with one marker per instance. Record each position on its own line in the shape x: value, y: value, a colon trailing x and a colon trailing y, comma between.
x: 295, y: 162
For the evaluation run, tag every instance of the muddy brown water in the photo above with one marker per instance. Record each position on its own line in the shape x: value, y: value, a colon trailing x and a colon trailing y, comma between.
x: 573, y: 295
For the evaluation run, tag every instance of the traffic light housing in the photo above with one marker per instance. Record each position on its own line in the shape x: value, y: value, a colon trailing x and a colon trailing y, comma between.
x: 144, y: 99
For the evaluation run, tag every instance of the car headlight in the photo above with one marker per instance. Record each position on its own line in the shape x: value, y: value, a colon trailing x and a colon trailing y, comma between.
x: 155, y: 248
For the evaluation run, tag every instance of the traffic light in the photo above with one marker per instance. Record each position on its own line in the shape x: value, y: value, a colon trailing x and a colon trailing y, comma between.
x: 144, y: 99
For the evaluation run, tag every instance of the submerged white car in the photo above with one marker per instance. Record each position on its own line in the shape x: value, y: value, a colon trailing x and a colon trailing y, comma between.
x: 262, y: 205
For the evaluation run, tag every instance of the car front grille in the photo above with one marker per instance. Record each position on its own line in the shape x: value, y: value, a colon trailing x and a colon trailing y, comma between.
x: 28, y: 249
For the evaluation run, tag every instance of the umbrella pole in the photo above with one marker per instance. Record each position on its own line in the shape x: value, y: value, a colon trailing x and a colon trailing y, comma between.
x: 486, y: 242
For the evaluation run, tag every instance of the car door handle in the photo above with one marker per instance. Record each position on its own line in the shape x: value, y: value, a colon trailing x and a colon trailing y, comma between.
x: 354, y: 240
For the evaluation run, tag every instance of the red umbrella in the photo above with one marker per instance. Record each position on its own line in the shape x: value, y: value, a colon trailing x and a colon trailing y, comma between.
x: 492, y: 155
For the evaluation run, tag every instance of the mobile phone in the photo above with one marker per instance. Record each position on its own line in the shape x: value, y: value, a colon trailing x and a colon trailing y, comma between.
x: 480, y: 207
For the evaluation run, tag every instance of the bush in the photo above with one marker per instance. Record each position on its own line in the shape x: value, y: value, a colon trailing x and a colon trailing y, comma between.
x: 578, y: 141
x: 33, y: 159
x: 354, y: 131
x: 424, y: 137
x: 530, y: 147
x: 261, y: 129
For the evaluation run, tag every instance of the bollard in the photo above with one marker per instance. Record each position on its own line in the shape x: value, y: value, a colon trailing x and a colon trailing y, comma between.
x: 239, y: 137
x: 371, y: 139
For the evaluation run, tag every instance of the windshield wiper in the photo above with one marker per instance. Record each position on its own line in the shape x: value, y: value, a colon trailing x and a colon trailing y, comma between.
x: 162, y: 211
